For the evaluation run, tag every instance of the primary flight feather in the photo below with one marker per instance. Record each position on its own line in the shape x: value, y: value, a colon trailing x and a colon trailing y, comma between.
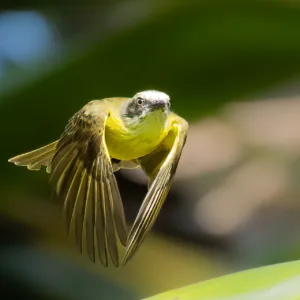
x: 104, y: 136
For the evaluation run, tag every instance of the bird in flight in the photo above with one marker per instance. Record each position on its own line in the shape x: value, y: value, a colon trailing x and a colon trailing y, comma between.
x: 102, y: 137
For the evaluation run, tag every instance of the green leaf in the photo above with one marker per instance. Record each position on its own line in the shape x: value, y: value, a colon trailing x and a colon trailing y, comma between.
x: 279, y: 281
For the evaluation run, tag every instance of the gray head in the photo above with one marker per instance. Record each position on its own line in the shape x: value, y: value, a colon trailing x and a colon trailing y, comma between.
x: 146, y: 103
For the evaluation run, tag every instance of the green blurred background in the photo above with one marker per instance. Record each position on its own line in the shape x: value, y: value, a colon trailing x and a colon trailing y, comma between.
x: 232, y: 69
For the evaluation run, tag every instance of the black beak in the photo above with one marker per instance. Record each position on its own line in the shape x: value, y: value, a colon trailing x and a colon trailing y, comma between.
x: 159, y: 104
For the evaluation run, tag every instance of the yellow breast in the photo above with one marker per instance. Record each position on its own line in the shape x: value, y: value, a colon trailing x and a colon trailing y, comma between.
x: 127, y: 144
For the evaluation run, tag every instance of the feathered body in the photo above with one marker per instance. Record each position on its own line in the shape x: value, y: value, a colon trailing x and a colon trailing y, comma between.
x: 136, y: 137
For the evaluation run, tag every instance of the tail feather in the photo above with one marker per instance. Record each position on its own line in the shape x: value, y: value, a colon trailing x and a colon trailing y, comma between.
x: 35, y: 159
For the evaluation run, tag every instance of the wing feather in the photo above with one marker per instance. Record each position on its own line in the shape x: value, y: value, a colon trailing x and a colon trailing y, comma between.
x: 60, y: 162
x: 71, y: 196
x: 90, y: 219
x: 111, y: 235
x: 161, y: 167
x: 82, y: 174
x: 118, y: 209
x: 100, y: 223
x: 84, y: 179
x: 65, y: 172
x: 79, y: 208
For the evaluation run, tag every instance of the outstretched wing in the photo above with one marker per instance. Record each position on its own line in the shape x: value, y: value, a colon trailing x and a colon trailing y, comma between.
x: 160, y: 166
x: 83, y: 175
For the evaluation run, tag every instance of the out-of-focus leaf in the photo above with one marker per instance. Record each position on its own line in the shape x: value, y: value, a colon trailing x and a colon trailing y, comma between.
x: 280, y: 281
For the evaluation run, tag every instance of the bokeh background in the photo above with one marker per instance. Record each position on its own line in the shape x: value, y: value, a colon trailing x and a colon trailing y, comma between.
x: 232, y: 69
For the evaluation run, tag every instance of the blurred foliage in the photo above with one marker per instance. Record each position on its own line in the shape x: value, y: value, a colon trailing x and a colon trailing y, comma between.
x: 203, y: 53
x: 280, y: 281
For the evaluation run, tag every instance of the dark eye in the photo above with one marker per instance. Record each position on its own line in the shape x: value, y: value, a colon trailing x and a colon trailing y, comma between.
x: 169, y: 104
x: 140, y: 101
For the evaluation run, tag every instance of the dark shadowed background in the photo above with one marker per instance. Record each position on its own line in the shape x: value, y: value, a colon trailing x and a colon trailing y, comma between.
x: 232, y: 69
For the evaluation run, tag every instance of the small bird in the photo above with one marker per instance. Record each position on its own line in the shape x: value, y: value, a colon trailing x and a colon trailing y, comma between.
x: 104, y: 136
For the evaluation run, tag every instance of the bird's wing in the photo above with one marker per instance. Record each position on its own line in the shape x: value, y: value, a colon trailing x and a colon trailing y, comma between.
x: 83, y: 175
x: 160, y: 166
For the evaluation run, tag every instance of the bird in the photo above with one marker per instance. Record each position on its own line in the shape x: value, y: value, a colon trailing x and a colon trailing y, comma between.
x: 104, y: 136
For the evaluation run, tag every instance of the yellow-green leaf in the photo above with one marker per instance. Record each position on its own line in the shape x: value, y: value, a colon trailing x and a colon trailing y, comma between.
x: 275, y: 282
